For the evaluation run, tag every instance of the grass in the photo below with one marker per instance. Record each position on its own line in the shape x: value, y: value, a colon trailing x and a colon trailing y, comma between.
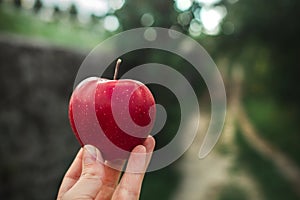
x: 61, y: 31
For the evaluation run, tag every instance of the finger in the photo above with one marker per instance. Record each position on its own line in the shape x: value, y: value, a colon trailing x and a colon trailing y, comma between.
x: 90, y: 181
x: 112, y: 170
x: 72, y: 175
x: 149, y: 143
x: 130, y: 184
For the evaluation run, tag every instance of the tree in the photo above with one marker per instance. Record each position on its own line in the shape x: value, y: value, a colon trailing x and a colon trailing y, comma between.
x: 73, y: 12
x: 17, y: 3
x: 159, y: 9
x: 56, y: 13
x: 37, y: 6
x: 273, y: 30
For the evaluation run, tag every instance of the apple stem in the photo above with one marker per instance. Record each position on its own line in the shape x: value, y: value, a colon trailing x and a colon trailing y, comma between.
x: 117, y: 68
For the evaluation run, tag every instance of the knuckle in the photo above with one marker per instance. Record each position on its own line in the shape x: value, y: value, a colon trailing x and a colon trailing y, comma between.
x: 90, y: 175
x: 131, y: 194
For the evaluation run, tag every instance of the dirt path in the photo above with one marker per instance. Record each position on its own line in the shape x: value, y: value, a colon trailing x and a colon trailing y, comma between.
x: 204, y: 179
x: 283, y: 163
x: 200, y: 176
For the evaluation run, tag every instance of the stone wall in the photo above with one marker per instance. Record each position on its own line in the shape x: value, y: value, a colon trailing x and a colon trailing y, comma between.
x: 36, y: 141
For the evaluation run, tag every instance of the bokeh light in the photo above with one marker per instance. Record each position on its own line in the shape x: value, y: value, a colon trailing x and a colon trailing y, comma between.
x: 208, y: 2
x: 184, y: 18
x: 147, y: 19
x: 195, y: 28
x: 111, y: 23
x: 211, y: 18
x: 183, y: 5
x: 116, y: 4
x: 150, y: 34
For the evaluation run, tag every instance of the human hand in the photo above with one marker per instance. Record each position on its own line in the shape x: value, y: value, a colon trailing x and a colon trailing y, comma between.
x: 88, y: 178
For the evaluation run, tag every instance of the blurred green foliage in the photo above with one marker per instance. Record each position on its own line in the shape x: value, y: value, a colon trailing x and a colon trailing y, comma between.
x: 232, y: 192
x: 266, y: 46
x: 160, y: 184
x: 270, y: 181
x: 276, y: 123
x: 266, y: 43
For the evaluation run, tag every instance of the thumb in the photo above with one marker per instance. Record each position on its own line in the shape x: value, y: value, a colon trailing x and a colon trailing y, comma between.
x: 90, y: 180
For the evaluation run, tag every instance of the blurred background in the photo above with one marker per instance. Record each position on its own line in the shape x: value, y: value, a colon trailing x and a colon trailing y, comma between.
x: 254, y: 43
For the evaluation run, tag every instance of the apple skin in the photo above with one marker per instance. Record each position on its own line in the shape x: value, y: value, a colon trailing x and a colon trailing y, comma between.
x: 113, y: 115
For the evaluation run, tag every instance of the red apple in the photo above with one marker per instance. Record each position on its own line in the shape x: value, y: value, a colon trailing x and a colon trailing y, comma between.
x: 113, y: 115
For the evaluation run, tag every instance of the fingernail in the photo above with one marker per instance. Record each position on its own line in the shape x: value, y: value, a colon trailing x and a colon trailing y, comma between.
x: 137, y: 160
x: 147, y: 145
x: 90, y: 154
